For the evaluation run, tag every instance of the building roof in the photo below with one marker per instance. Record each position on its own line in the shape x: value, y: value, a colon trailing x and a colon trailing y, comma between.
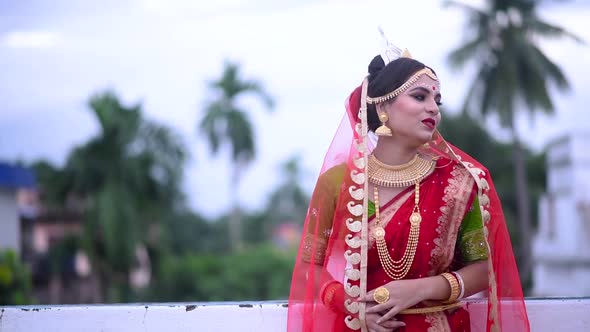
x: 16, y: 176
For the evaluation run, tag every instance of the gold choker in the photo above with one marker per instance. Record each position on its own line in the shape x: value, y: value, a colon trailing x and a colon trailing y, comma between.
x: 400, y: 175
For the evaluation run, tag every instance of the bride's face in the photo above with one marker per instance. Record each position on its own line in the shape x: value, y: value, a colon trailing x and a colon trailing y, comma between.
x: 414, y: 115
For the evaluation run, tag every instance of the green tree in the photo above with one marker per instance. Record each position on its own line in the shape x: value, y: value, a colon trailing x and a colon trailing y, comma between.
x: 512, y: 73
x: 15, y: 280
x: 469, y: 135
x: 226, y: 122
x: 288, y: 203
x: 124, y: 181
x: 187, y: 232
x: 255, y: 273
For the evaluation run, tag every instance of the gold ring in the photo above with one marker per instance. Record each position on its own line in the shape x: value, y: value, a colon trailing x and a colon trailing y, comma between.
x: 381, y: 295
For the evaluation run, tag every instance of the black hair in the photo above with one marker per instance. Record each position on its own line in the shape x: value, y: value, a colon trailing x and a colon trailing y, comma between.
x: 384, y: 79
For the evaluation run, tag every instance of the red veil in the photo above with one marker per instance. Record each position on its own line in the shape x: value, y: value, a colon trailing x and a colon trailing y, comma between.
x: 333, y: 247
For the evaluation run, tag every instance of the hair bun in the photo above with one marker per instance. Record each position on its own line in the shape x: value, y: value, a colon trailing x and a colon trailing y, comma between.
x: 376, y: 65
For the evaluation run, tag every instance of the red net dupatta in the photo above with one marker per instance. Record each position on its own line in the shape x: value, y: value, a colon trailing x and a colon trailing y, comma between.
x: 330, y: 271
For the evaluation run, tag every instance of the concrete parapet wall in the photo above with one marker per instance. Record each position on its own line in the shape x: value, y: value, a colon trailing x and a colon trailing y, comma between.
x: 568, y: 314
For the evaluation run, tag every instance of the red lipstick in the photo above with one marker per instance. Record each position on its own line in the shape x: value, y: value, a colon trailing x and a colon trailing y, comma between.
x: 429, y: 122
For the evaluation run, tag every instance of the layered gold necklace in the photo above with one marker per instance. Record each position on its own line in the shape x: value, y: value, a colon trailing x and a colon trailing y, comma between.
x: 381, y: 174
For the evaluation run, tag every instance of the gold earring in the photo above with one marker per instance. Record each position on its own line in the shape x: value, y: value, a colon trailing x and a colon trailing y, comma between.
x: 383, y: 130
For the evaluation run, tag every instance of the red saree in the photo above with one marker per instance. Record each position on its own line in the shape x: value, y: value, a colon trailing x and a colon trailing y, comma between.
x: 445, y: 197
x: 337, y: 248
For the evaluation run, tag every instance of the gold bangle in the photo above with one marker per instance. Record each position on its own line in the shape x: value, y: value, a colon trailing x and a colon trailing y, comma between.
x: 428, y: 310
x: 455, y: 289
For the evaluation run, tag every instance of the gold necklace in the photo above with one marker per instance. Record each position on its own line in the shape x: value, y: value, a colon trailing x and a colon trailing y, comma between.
x: 398, y: 269
x: 398, y: 176
x: 381, y: 174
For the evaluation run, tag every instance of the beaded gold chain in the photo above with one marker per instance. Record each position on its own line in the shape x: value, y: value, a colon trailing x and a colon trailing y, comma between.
x: 397, y: 269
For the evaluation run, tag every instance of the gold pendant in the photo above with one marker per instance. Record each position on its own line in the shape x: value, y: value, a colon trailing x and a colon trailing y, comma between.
x: 379, y: 233
x: 415, y: 219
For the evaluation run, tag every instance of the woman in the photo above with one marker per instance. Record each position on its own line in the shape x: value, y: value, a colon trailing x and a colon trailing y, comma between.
x: 400, y: 230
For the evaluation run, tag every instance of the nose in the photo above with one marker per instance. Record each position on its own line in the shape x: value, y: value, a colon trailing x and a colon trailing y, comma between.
x: 432, y: 107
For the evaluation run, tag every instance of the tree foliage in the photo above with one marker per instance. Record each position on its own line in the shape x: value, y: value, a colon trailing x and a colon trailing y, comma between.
x: 512, y: 74
x: 256, y: 273
x: 226, y: 123
x: 124, y: 181
x: 470, y: 136
x: 15, y: 280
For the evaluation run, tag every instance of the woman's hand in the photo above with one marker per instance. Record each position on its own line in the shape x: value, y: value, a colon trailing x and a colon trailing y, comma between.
x: 402, y: 294
x: 385, y: 326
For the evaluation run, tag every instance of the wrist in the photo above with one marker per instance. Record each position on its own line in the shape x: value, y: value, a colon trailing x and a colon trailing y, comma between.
x: 435, y: 288
x: 427, y: 288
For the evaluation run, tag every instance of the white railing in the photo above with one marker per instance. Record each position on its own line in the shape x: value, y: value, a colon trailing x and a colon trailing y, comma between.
x: 567, y: 314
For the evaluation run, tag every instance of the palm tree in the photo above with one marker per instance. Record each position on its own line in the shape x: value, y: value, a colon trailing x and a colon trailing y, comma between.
x: 225, y: 122
x: 124, y: 181
x: 512, y: 73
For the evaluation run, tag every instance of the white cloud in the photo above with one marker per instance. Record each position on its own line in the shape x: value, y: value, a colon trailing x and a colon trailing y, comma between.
x: 309, y: 54
x: 182, y: 6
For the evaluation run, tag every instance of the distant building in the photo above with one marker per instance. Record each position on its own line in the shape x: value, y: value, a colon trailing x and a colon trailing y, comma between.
x: 12, y: 179
x: 561, y: 248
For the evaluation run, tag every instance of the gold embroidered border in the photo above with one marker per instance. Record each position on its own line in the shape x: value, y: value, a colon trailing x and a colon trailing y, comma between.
x: 365, y: 220
x: 483, y: 190
x: 313, y: 251
x: 493, y: 296
x: 358, y: 207
x: 456, y: 196
x: 438, y: 322
x: 352, y: 255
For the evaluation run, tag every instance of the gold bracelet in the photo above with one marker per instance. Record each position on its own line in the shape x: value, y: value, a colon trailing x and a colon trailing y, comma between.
x: 455, y: 289
x: 428, y: 310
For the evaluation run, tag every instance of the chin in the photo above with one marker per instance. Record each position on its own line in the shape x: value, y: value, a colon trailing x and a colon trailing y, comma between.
x: 423, y: 139
x: 419, y: 138
x: 420, y: 142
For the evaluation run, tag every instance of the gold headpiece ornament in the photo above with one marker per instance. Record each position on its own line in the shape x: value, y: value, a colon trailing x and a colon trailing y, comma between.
x: 391, y: 52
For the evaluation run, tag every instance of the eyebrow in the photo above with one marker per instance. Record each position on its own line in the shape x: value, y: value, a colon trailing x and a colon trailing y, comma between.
x: 425, y: 90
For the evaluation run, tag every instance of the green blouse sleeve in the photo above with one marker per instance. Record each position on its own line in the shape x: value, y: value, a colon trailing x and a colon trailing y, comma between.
x: 371, y: 208
x: 471, y: 245
x: 321, y: 214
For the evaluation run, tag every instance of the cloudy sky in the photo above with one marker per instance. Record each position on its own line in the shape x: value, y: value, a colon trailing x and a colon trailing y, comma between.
x: 309, y: 55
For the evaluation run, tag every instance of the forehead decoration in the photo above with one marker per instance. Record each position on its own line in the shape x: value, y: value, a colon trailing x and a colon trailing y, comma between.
x: 411, y: 81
